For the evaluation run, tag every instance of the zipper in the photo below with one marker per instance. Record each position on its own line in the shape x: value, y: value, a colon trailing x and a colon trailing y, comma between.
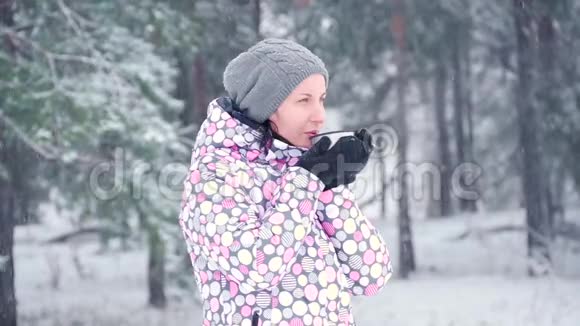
x: 255, y: 317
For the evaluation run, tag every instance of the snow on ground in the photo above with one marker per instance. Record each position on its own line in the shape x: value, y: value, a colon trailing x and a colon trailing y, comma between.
x: 479, y: 280
x: 473, y: 301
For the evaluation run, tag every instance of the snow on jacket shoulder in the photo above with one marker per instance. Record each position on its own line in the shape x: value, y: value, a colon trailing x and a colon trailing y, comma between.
x: 253, y: 225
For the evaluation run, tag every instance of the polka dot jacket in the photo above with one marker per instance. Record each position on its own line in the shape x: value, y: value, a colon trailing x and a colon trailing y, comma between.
x: 267, y: 245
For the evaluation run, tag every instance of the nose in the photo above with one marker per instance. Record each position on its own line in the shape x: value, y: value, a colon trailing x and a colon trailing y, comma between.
x: 319, y: 114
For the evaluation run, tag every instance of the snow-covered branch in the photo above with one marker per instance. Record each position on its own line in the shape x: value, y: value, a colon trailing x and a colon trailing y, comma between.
x: 46, y: 152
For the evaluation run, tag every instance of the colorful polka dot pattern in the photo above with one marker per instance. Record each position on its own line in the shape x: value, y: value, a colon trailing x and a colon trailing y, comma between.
x: 265, y: 239
x: 361, y: 250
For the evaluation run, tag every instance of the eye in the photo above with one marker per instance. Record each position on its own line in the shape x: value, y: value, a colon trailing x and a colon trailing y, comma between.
x: 304, y: 100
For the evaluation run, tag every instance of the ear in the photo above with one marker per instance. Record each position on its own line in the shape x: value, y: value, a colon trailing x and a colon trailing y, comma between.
x: 273, y: 123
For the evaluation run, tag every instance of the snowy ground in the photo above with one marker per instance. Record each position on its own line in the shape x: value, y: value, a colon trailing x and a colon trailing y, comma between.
x: 479, y: 281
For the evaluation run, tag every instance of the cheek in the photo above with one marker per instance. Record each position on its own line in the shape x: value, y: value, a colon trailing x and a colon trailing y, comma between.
x: 293, y: 128
x: 299, y: 124
x: 293, y: 124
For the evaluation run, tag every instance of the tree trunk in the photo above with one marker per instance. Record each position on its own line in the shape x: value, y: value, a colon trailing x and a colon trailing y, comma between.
x: 192, y: 87
x: 550, y: 103
x: 406, y: 248
x: 184, y: 87
x: 200, y: 88
x: 7, y: 224
x: 383, y: 189
x: 7, y: 288
x: 8, y: 314
x: 432, y: 204
x: 469, y: 141
x: 376, y: 103
x: 258, y: 19
x: 459, y: 105
x: 7, y: 19
x: 533, y: 178
x: 440, y: 92
x: 156, y: 269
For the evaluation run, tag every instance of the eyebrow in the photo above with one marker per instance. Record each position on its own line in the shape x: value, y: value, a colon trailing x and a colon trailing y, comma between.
x: 310, y: 95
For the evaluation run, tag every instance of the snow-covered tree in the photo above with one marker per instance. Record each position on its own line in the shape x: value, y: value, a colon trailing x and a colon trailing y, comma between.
x: 88, y: 89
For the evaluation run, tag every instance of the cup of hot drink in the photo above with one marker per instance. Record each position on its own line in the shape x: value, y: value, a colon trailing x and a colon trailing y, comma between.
x: 334, y: 136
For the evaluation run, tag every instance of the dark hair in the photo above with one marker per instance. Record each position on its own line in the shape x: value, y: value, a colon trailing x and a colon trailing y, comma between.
x: 268, y: 130
x: 267, y: 134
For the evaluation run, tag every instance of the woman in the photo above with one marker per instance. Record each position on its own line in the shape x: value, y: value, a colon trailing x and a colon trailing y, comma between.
x: 274, y: 235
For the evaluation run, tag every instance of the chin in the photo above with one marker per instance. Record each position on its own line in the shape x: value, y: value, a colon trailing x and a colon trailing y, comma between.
x: 301, y: 142
x: 305, y: 143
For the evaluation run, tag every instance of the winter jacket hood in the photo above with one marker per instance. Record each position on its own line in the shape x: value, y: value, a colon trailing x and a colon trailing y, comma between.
x: 226, y: 127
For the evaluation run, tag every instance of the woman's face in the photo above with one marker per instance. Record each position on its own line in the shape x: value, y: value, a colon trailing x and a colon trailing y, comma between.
x: 301, y: 115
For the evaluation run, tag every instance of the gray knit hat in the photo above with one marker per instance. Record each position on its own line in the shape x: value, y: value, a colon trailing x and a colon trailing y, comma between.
x: 261, y: 78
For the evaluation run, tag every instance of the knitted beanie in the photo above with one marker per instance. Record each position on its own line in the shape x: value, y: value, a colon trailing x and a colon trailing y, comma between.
x: 259, y: 79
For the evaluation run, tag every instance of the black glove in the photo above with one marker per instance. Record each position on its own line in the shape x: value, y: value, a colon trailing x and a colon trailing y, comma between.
x: 367, y: 141
x: 324, y: 161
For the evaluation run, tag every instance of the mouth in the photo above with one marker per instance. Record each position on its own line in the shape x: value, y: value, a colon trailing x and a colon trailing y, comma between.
x: 312, y: 133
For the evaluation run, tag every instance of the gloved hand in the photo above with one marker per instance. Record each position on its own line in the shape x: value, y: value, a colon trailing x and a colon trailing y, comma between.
x: 340, y: 164
x: 367, y: 141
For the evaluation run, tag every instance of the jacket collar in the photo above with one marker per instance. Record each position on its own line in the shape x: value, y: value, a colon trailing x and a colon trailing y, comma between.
x: 226, y: 126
